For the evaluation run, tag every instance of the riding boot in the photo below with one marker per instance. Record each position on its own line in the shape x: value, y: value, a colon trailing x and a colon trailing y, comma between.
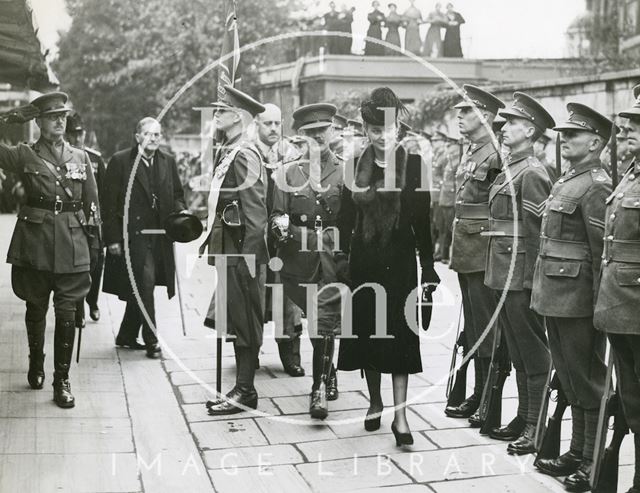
x: 332, y: 385
x: 62, y: 352
x: 295, y: 351
x: 285, y: 349
x: 244, y: 394
x: 35, y: 335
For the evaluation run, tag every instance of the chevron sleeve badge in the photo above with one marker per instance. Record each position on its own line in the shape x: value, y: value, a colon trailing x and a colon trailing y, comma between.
x: 598, y: 223
x: 533, y: 208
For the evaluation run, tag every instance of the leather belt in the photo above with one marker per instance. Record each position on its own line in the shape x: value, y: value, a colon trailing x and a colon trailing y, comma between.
x: 622, y: 250
x: 504, y: 227
x: 472, y: 211
x: 56, y: 205
x: 571, y: 250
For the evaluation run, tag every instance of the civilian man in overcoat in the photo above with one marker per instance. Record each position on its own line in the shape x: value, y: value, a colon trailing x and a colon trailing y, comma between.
x: 156, y: 192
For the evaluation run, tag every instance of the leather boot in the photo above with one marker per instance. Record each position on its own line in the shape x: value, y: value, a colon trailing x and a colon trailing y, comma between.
x: 62, y: 353
x: 579, y: 480
x: 285, y: 349
x: 295, y: 347
x: 510, y: 432
x: 35, y: 335
x: 244, y: 394
x: 563, y: 465
x: 465, y: 409
x: 525, y: 444
x: 332, y: 385
x: 318, y: 408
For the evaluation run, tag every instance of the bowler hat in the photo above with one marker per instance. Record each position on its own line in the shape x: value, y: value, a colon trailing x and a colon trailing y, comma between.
x: 183, y: 227
x: 52, y: 102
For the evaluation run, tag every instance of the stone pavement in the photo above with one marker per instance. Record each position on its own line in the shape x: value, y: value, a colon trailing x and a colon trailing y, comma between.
x: 141, y: 425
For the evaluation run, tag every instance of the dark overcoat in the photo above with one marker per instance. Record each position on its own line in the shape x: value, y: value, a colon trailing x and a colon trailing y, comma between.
x: 393, y: 266
x: 140, y: 216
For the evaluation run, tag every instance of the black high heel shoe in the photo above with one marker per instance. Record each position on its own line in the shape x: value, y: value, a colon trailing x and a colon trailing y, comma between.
x: 401, y: 438
x: 372, y: 422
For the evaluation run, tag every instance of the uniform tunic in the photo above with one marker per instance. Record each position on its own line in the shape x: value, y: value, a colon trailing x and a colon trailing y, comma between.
x: 616, y: 311
x: 479, y: 166
x: 521, y: 189
x: 566, y: 276
x: 50, y: 250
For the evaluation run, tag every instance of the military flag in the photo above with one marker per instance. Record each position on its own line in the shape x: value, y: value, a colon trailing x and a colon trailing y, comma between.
x: 230, y: 43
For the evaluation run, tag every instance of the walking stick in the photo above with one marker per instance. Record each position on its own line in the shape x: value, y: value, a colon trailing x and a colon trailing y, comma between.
x: 179, y: 286
x: 79, y: 344
x: 219, y: 364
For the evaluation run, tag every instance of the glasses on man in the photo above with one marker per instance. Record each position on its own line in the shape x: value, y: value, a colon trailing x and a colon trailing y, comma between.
x: 55, y: 116
x: 151, y: 135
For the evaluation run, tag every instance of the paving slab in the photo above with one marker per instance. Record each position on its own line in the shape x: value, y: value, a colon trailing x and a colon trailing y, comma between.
x: 266, y: 479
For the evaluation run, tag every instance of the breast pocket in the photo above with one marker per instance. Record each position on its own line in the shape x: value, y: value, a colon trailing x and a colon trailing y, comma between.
x: 502, y: 205
x: 562, y: 220
x: 301, y: 204
x: 628, y: 221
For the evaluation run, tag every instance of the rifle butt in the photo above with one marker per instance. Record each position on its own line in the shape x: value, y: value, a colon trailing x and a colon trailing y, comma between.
x: 459, y: 390
x: 607, y: 480
x: 493, y: 418
x: 550, y: 447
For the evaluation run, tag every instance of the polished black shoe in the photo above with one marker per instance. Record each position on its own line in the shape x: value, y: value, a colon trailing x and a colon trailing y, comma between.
x: 332, y: 386
x: 232, y: 405
x: 475, y: 421
x: 372, y: 422
x: 510, y: 432
x: 318, y: 408
x: 465, y: 410
x: 35, y: 376
x: 232, y: 394
x: 94, y: 313
x: 579, y: 480
x: 130, y: 344
x: 62, y: 394
x: 401, y: 438
x: 154, y: 351
x: 294, y: 370
x: 563, y: 465
x: 525, y: 444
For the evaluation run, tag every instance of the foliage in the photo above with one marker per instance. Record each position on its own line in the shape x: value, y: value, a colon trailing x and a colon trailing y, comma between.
x: 348, y: 103
x: 122, y: 60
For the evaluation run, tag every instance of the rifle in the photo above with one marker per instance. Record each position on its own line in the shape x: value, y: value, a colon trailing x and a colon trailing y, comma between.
x: 548, y: 439
x: 490, y: 410
x: 456, y: 392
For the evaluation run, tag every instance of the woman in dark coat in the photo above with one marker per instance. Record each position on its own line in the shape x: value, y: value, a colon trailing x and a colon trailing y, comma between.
x: 452, y: 46
x: 382, y: 230
x: 376, y: 19
x: 393, y: 23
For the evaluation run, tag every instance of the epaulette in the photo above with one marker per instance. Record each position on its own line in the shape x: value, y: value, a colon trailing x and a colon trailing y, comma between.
x: 599, y: 175
x: 534, y: 161
x: 93, y: 151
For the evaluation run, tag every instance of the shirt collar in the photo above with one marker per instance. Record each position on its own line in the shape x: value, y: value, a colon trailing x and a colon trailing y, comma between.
x: 520, y: 155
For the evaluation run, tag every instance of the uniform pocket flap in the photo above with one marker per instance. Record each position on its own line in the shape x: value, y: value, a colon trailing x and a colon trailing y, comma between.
x: 561, y: 269
x: 563, y: 206
x: 32, y: 215
x: 505, y: 245
x: 631, y: 202
x: 628, y: 275
x: 473, y: 227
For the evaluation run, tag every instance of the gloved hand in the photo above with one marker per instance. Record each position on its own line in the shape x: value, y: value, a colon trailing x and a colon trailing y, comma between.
x: 21, y: 114
x: 429, y: 280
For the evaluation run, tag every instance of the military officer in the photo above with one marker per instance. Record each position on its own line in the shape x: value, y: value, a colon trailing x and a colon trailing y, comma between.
x: 50, y: 247
x: 237, y: 227
x: 446, y: 151
x: 516, y: 202
x: 616, y: 311
x: 479, y: 166
x: 275, y: 151
x: 76, y: 134
x: 307, y: 195
x: 565, y: 282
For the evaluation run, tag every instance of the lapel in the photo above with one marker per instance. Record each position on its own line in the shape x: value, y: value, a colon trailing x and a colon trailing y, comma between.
x: 160, y: 162
x: 141, y: 175
x: 515, y: 169
x: 329, y: 168
x: 44, y: 151
x: 67, y: 153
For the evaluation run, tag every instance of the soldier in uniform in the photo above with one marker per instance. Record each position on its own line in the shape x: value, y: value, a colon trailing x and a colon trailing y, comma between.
x: 616, y: 311
x: 76, y: 135
x: 50, y: 247
x: 237, y: 226
x: 565, y: 281
x: 479, y: 166
x: 274, y: 152
x: 307, y: 195
x: 540, y: 152
x: 448, y: 155
x: 522, y: 188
